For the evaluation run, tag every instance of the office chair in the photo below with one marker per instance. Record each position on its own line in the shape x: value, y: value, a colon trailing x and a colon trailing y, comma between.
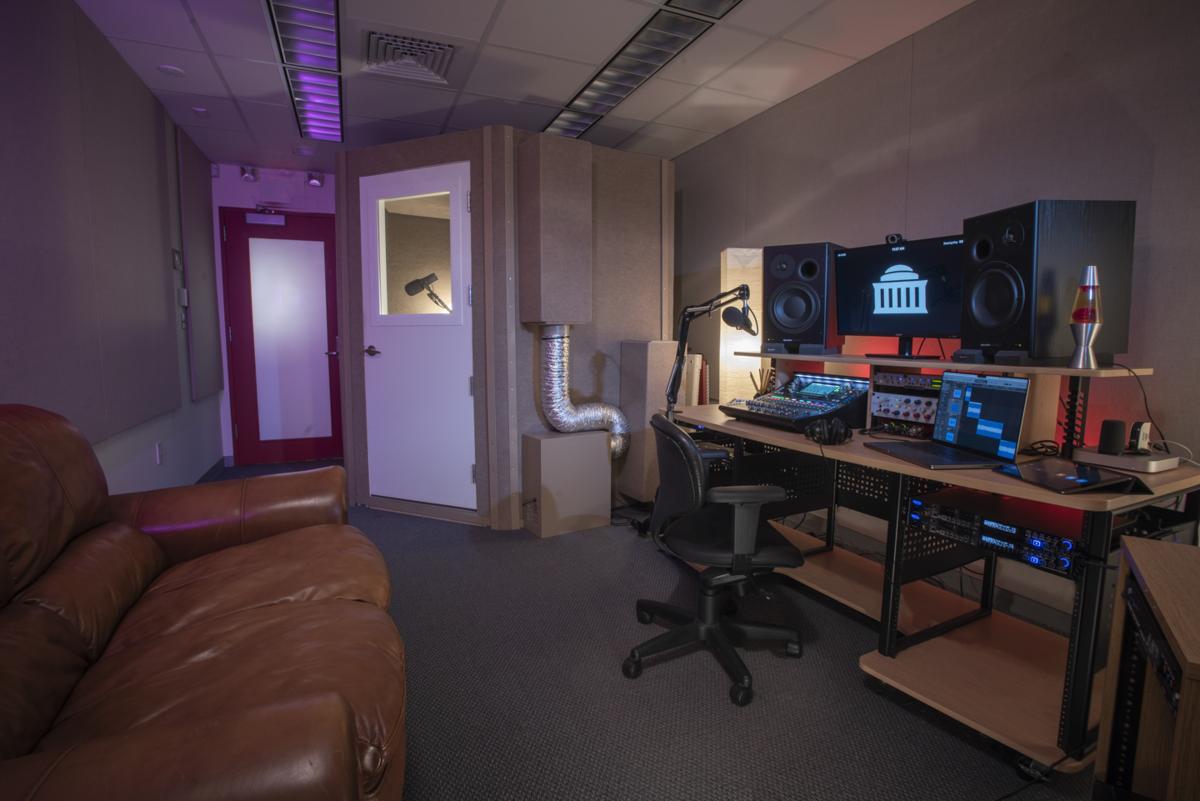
x: 723, y: 528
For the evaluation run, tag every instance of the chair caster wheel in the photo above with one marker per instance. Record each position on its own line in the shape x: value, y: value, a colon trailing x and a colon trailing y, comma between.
x: 632, y: 668
x: 794, y: 650
x: 741, y: 695
x: 644, y: 617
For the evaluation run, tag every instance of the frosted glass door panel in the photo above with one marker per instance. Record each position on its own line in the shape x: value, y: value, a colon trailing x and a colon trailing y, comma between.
x: 287, y: 298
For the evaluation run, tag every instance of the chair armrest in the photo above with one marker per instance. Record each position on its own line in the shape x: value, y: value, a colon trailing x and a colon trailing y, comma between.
x: 747, y: 501
x: 190, y: 521
x: 300, y: 751
x: 747, y: 493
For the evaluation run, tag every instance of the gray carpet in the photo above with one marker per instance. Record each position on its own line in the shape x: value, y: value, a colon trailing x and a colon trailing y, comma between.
x: 515, y: 689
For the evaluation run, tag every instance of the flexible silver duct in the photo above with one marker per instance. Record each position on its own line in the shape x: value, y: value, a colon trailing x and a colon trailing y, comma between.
x: 556, y: 397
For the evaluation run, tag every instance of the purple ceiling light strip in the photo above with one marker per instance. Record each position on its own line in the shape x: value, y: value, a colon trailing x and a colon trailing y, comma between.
x: 306, y: 33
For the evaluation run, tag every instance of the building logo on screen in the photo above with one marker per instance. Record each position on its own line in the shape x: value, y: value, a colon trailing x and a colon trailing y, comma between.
x: 900, y: 291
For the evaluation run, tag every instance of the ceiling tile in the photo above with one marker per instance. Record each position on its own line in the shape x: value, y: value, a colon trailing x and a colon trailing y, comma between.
x: 219, y: 112
x: 580, y: 30
x: 712, y: 111
x: 611, y: 131
x: 779, y: 70
x: 652, y: 98
x: 473, y: 111
x: 230, y: 147
x: 162, y: 22
x: 236, y: 28
x: 273, y: 127
x: 711, y: 54
x: 861, y: 27
x: 387, y: 99
x: 770, y: 17
x: 199, y: 76
x: 515, y: 75
x: 257, y: 81
x: 464, y: 18
x: 361, y: 132
x: 664, y: 141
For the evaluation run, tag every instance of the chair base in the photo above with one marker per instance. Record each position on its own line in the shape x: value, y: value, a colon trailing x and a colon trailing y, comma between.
x: 712, y: 626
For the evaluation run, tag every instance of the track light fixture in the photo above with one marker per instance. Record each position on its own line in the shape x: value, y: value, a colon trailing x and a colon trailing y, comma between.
x: 249, y: 174
x: 315, y: 180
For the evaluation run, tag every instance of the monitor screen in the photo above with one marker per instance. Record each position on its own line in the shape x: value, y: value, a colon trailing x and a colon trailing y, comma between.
x: 911, y: 289
x: 982, y: 413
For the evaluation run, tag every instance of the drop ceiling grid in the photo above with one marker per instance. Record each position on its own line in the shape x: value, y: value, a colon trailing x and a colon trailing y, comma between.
x: 716, y: 91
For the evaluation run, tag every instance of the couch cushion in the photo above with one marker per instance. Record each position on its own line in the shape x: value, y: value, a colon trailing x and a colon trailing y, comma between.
x: 96, y: 580
x: 309, y: 564
x: 59, y: 624
x: 51, y: 490
x: 240, y: 660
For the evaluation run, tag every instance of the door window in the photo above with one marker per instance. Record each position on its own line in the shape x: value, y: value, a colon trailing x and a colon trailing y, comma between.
x: 414, y: 263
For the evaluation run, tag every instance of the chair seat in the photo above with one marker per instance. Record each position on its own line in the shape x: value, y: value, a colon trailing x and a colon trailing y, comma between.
x: 706, y: 536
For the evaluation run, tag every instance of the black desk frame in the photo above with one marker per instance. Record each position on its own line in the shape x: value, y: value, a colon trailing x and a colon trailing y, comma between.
x: 816, y: 483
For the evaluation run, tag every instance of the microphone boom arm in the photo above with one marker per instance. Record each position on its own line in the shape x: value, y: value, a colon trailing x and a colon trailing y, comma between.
x: 689, y: 313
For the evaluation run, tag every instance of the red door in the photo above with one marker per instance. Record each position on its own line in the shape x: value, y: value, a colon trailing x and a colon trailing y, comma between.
x: 281, y: 319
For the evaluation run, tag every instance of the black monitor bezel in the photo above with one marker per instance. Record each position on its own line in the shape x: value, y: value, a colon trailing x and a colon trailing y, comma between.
x: 959, y: 240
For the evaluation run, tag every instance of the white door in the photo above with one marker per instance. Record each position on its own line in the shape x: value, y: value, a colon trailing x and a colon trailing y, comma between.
x: 416, y: 260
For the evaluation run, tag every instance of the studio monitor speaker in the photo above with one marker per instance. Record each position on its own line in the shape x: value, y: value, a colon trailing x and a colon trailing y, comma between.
x: 798, y: 307
x: 1022, y: 270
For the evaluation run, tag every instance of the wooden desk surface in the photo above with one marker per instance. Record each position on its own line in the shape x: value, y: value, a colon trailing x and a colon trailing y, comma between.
x: 1169, y: 575
x: 1181, y: 479
x: 961, y: 367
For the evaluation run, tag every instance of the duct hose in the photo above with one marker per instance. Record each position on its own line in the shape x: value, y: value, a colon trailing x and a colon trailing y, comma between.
x: 556, y: 398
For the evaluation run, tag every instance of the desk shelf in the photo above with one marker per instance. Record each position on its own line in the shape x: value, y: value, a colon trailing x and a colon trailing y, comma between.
x: 1001, y: 676
x: 856, y: 582
x: 961, y: 367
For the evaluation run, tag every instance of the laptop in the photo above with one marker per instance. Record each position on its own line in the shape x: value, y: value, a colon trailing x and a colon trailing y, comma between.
x: 978, y: 424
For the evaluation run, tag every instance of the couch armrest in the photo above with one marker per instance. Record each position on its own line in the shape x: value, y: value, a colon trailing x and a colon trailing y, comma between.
x: 195, y: 520
x: 298, y: 751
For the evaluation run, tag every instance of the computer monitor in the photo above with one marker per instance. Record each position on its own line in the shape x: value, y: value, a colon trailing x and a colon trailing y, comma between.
x: 982, y: 413
x: 909, y: 289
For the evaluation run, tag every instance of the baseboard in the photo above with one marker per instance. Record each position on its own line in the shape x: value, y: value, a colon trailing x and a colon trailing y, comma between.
x: 213, y: 472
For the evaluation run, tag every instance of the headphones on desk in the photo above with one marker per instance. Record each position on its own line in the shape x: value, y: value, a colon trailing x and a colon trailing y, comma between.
x: 829, y: 431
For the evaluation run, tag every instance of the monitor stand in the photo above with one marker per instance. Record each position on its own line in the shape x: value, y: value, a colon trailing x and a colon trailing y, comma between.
x: 904, y: 350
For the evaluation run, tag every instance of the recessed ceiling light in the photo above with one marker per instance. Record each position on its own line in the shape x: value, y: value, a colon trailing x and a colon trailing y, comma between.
x: 306, y: 33
x: 709, y: 8
x: 656, y: 43
x: 200, y: 111
x: 172, y: 70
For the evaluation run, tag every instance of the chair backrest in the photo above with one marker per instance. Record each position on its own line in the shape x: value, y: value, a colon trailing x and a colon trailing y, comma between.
x: 682, y: 477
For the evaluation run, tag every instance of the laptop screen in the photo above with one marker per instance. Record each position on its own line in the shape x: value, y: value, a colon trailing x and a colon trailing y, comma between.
x: 982, y: 413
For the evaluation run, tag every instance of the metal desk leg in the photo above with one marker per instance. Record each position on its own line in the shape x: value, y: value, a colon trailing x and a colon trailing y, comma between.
x: 889, y: 613
x: 1073, y: 734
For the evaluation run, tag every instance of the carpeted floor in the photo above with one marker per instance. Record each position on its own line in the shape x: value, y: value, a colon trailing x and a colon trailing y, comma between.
x: 515, y: 689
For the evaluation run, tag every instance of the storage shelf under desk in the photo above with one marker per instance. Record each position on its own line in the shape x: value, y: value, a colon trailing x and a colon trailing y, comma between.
x: 856, y: 582
x: 1001, y: 676
x: 940, y: 364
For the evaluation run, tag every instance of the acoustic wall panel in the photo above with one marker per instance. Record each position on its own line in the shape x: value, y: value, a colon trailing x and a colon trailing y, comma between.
x: 125, y: 147
x: 199, y: 269
x: 48, y: 311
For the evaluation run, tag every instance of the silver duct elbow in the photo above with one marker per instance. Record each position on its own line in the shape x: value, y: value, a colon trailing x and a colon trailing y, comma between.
x: 556, y: 398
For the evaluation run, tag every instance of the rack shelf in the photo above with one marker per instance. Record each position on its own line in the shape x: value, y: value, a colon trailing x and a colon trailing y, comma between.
x: 856, y: 582
x: 962, y: 367
x: 999, y: 675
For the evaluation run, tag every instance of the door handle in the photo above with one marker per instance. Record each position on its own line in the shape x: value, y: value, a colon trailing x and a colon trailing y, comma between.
x: 371, y: 350
x: 331, y: 353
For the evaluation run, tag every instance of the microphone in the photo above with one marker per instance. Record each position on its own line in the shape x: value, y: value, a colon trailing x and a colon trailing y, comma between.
x: 741, y: 319
x: 419, y: 285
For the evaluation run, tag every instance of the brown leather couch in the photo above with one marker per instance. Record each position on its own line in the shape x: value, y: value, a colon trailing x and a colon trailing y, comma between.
x: 222, y: 641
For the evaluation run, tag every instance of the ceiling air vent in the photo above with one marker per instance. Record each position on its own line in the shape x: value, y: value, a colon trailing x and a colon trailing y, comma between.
x: 408, y: 57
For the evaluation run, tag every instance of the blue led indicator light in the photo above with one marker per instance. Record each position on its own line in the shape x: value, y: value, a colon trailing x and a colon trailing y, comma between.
x: 1035, y: 560
x: 915, y: 516
x: 1036, y: 543
x: 917, y: 502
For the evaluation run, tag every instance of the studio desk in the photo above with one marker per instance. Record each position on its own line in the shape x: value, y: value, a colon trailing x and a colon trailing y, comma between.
x: 1024, y: 686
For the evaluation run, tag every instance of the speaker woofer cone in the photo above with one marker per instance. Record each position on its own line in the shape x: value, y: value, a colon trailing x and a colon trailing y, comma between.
x: 997, y: 297
x: 795, y: 307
